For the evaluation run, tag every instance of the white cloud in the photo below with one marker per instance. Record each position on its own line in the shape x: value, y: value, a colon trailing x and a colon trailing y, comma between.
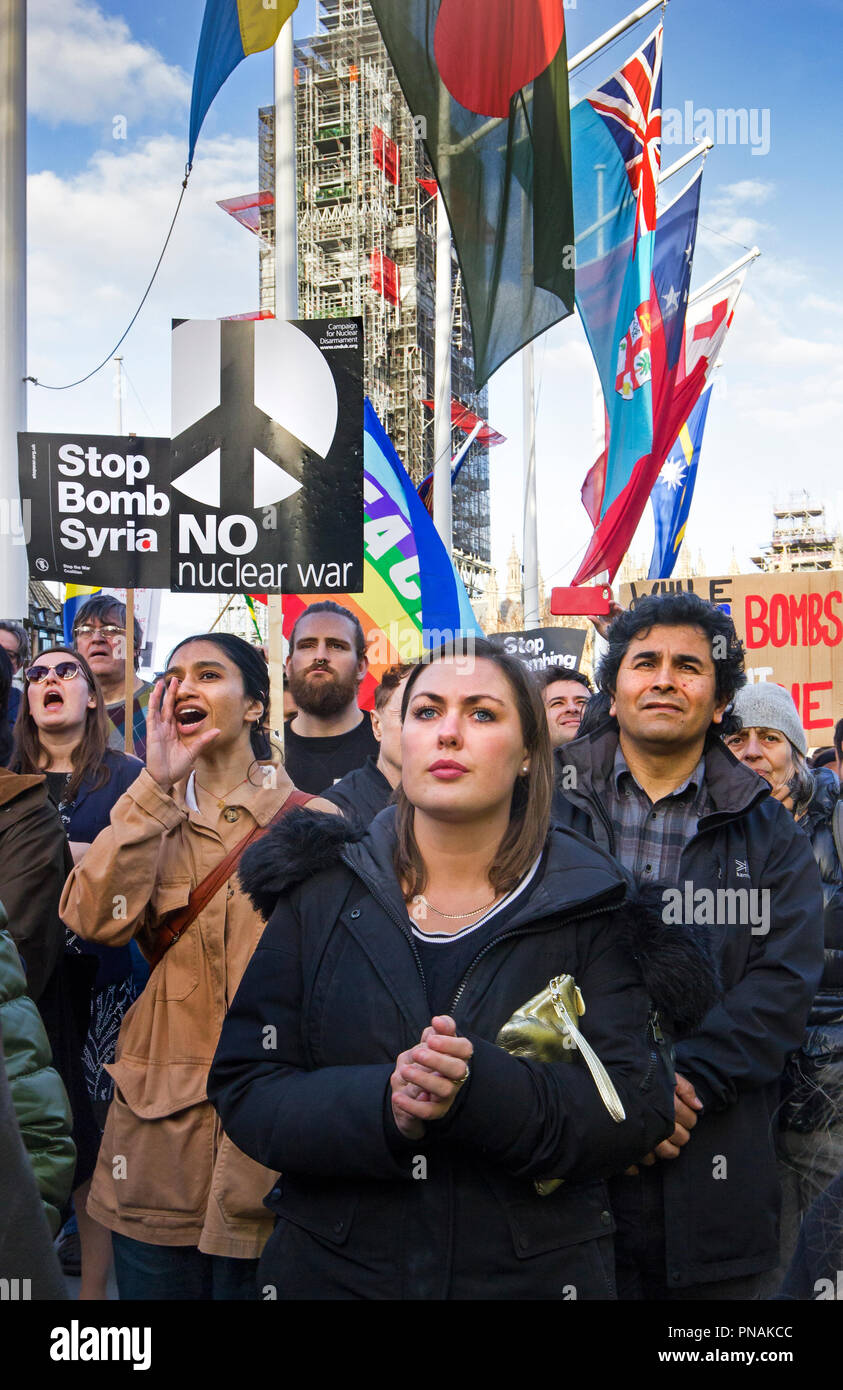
x: 85, y: 66
x: 87, y: 278
x: 745, y: 191
x: 823, y: 305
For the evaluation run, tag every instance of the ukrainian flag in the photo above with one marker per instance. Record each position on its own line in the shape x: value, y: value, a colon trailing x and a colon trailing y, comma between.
x: 231, y: 30
x: 74, y: 596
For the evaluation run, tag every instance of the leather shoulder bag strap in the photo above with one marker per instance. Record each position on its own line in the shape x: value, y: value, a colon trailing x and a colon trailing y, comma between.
x: 204, y: 892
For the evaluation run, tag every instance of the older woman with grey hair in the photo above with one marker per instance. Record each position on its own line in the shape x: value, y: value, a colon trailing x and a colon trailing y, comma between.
x: 772, y: 741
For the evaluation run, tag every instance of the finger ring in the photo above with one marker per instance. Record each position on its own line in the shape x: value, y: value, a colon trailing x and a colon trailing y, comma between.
x: 463, y: 1079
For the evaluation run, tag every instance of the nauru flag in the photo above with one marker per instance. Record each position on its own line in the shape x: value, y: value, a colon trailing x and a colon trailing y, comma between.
x: 231, y: 30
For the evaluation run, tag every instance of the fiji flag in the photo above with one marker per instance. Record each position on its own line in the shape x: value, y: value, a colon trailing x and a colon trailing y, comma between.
x: 231, y: 30
x: 674, y: 489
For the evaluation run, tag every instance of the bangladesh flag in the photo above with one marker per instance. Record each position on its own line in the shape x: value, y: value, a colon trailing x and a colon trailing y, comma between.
x: 487, y: 83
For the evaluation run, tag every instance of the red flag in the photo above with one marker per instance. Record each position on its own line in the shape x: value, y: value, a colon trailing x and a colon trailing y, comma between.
x: 385, y: 154
x: 384, y: 276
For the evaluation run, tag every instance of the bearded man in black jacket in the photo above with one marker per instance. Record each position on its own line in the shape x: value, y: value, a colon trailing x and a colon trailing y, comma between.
x: 654, y: 784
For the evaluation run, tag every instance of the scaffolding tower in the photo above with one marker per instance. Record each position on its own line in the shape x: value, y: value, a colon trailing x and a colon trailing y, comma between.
x: 367, y: 246
x: 801, y: 539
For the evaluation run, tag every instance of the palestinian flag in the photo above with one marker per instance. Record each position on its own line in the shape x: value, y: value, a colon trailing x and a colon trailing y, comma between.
x: 487, y: 82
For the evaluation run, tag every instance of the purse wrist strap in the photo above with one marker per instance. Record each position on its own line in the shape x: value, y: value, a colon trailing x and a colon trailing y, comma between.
x: 205, y: 891
x: 602, y: 1079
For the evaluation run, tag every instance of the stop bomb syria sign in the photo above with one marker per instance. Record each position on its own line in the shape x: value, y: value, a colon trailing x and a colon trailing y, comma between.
x: 97, y: 508
x: 267, y: 456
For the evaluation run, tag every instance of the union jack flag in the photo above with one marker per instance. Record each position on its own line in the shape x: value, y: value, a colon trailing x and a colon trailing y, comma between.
x: 630, y: 102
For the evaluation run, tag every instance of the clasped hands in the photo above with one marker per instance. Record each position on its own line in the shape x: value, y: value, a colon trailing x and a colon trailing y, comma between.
x: 686, y: 1107
x: 428, y: 1077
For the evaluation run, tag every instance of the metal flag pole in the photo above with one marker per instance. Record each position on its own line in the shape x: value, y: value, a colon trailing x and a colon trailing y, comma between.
x: 286, y: 303
x: 531, y: 531
x: 613, y: 33
x: 442, y: 506
x: 13, y: 569
x: 724, y: 275
x: 701, y: 149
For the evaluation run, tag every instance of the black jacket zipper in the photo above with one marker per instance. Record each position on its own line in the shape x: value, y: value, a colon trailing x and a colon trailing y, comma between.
x: 525, y: 931
x: 517, y: 931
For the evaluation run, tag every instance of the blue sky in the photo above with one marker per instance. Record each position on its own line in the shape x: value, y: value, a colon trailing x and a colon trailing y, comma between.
x: 99, y: 207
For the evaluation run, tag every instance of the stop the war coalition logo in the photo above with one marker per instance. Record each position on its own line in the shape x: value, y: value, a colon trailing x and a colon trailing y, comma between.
x: 99, y: 507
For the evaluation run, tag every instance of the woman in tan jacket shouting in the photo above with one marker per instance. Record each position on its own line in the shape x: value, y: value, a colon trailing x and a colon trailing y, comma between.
x: 185, y: 1205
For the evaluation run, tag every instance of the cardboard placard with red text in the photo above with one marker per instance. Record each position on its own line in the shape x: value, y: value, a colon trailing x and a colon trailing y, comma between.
x: 792, y: 628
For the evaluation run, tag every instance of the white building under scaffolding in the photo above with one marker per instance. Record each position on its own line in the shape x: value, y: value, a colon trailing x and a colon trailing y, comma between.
x: 366, y: 246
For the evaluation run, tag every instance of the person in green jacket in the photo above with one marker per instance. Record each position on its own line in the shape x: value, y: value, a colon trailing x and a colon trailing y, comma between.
x: 39, y: 1098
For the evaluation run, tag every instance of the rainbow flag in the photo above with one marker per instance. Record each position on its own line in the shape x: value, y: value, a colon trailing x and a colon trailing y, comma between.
x: 231, y: 30
x: 413, y: 597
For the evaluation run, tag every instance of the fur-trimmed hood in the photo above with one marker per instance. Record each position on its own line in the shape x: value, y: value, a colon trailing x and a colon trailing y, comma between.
x: 302, y: 844
x: 677, y: 962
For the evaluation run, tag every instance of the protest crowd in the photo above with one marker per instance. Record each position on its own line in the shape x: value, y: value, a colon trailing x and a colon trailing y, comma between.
x: 513, y: 989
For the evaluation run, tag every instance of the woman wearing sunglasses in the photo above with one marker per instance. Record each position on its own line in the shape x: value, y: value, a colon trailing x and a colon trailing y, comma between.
x: 62, y: 731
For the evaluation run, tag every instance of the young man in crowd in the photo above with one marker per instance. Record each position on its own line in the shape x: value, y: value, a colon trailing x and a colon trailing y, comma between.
x: 15, y: 642
x: 565, y: 695
x: 363, y: 793
x: 656, y: 786
x: 99, y: 634
x: 329, y: 735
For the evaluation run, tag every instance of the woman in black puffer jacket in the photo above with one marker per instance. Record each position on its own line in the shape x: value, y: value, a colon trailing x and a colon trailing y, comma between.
x: 811, y: 1115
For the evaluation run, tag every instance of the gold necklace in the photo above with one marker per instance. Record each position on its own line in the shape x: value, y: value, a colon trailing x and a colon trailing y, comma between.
x: 226, y: 795
x: 454, y: 916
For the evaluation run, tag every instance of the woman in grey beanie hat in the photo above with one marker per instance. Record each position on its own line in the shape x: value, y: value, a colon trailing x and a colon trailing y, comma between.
x: 772, y: 742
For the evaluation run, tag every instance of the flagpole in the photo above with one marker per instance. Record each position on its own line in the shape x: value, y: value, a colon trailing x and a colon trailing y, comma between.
x: 286, y: 301
x: 701, y: 149
x: 613, y: 33
x: 724, y: 275
x: 530, y: 579
x: 13, y: 570
x: 442, y: 508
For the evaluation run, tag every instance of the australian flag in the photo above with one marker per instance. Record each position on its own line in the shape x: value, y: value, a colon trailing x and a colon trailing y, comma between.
x: 674, y: 489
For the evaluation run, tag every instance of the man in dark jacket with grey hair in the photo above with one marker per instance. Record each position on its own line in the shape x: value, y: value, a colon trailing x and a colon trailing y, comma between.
x: 654, y: 785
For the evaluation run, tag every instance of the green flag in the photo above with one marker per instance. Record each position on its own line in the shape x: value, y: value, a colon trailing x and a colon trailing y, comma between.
x: 487, y: 85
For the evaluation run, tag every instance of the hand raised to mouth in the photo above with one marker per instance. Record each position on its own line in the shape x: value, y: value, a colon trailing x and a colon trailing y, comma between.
x: 168, y: 757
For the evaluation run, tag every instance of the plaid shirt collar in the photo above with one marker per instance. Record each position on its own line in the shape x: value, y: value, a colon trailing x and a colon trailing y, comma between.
x: 621, y: 767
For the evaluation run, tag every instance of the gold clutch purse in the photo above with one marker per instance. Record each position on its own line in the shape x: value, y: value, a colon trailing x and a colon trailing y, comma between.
x: 545, y: 1030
